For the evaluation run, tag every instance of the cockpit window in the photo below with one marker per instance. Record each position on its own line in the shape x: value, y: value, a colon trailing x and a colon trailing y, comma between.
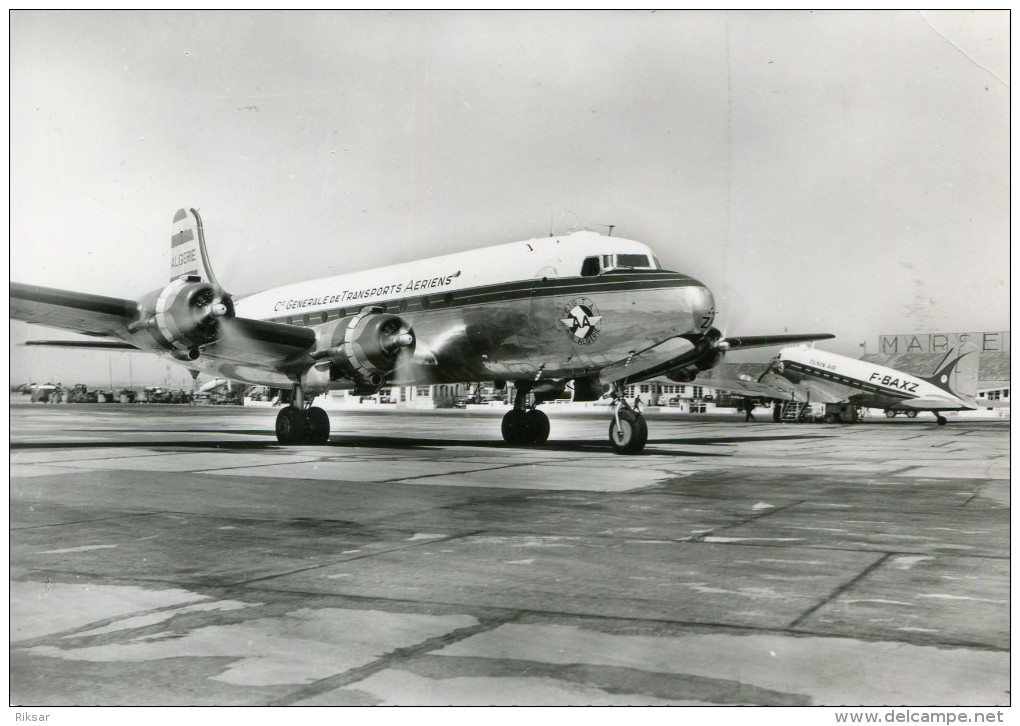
x: 610, y: 263
x: 591, y: 267
x: 633, y: 262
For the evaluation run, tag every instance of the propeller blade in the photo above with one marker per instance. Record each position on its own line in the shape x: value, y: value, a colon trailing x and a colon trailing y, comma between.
x: 764, y: 341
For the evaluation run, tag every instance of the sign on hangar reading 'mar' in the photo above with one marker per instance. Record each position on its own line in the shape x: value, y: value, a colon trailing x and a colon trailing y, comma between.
x: 996, y: 341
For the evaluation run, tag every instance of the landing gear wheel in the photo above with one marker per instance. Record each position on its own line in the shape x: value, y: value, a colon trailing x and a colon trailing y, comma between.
x: 291, y: 426
x: 890, y: 414
x: 318, y: 426
x: 536, y: 427
x: 940, y: 420
x: 631, y: 435
x: 514, y: 427
x: 911, y: 414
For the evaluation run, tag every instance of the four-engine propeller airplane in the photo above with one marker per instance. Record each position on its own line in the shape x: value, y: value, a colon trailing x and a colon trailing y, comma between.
x: 804, y: 374
x: 584, y: 308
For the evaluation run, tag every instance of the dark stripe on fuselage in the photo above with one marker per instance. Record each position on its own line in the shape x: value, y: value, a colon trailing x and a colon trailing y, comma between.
x: 844, y: 380
x: 503, y: 292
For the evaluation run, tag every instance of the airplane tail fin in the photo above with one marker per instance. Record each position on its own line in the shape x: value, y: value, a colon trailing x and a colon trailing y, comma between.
x: 958, y: 373
x: 188, y: 257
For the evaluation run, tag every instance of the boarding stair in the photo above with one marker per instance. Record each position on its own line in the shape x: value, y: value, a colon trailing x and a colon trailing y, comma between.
x: 795, y: 411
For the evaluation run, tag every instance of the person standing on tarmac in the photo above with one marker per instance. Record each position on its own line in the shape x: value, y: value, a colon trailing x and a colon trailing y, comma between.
x: 749, y: 410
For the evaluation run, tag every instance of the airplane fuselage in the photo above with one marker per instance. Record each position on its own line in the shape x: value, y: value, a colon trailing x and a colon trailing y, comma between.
x: 865, y: 383
x: 582, y: 310
x: 516, y: 311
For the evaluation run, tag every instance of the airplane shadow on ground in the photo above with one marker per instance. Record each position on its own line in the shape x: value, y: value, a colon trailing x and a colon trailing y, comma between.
x: 344, y: 441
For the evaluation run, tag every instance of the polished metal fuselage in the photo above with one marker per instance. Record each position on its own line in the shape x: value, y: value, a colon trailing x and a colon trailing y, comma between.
x: 517, y: 312
x: 530, y: 338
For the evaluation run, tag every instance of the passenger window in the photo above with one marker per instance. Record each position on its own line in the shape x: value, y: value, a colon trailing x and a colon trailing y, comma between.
x: 591, y: 267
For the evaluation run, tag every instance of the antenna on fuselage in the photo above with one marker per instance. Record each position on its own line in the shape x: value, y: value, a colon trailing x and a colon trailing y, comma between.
x: 610, y: 226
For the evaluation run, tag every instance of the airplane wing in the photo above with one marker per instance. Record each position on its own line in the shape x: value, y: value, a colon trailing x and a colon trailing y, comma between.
x: 747, y: 389
x: 777, y: 388
x: 75, y: 311
x: 765, y: 341
x: 82, y: 344
x: 675, y: 353
x: 244, y: 341
x: 812, y: 390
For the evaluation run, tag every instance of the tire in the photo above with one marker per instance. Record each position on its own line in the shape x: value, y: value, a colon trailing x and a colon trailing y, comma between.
x: 911, y: 414
x: 318, y: 426
x: 291, y: 426
x: 536, y: 427
x: 513, y: 427
x: 890, y: 414
x: 632, y: 434
x: 941, y: 421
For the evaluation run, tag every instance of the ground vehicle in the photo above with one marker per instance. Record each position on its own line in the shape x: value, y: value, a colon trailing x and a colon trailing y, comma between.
x: 81, y: 394
x: 41, y: 392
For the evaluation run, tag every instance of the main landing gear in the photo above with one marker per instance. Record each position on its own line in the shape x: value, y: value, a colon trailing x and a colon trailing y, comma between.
x: 525, y: 426
x: 296, y: 424
x: 940, y: 419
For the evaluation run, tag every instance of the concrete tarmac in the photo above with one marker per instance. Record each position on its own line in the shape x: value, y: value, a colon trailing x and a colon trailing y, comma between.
x: 176, y: 555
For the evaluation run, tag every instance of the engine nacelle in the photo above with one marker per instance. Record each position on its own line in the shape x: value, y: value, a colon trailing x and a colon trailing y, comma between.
x: 683, y: 375
x: 710, y: 349
x: 364, y: 348
x: 183, y: 316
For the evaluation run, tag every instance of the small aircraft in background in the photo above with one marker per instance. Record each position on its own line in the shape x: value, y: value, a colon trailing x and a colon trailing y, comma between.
x: 803, y: 375
x: 583, y: 310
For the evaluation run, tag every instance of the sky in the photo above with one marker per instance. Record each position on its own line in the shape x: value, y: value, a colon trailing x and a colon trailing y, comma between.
x: 835, y: 171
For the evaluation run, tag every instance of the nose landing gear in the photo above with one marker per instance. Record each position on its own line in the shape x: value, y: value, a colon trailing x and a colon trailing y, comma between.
x: 628, y: 431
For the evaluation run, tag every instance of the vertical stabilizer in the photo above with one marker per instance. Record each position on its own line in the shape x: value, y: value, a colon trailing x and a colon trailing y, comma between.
x: 958, y: 373
x: 188, y: 256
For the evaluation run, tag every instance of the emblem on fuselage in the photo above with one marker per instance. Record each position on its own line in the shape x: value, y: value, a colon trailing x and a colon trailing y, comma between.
x: 582, y: 321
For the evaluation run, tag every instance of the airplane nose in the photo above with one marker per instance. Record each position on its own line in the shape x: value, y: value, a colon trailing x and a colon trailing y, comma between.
x: 702, y: 306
